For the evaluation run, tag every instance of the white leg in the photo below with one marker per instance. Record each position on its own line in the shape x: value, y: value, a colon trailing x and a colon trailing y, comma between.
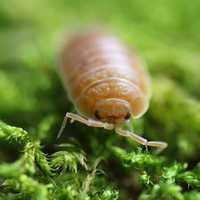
x: 89, y: 122
x: 141, y: 140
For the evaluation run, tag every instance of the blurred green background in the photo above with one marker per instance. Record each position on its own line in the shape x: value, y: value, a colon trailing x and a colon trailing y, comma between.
x: 166, y: 35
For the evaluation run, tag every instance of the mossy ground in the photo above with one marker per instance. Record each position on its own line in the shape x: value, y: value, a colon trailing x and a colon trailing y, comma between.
x: 87, y: 163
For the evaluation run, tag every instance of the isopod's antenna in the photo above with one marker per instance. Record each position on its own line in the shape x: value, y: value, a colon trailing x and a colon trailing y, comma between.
x: 89, y: 122
x: 62, y: 127
x: 141, y: 140
x: 94, y: 123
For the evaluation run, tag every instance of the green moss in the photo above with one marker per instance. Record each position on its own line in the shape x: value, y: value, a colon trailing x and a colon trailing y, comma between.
x: 177, y: 118
x: 88, y: 163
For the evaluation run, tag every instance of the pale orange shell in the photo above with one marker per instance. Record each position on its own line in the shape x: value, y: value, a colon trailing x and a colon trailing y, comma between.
x: 96, y: 66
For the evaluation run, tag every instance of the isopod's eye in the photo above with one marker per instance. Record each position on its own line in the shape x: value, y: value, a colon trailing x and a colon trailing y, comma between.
x: 96, y: 113
x: 128, y: 115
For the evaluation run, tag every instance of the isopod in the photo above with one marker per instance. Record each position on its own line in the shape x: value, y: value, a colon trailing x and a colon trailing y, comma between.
x: 106, y: 83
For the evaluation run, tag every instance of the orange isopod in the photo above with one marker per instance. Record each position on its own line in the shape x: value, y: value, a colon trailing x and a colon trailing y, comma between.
x: 105, y: 82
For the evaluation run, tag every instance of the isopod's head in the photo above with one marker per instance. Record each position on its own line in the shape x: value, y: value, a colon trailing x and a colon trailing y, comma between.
x: 112, y: 110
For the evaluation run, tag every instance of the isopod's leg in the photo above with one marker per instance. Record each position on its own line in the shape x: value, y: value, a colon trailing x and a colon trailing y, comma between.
x: 141, y: 140
x: 89, y: 122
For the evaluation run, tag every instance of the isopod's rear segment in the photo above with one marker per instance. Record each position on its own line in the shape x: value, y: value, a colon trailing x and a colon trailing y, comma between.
x: 101, y: 75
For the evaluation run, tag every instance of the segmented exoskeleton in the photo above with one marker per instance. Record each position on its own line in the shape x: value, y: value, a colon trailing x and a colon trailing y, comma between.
x: 106, y: 83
